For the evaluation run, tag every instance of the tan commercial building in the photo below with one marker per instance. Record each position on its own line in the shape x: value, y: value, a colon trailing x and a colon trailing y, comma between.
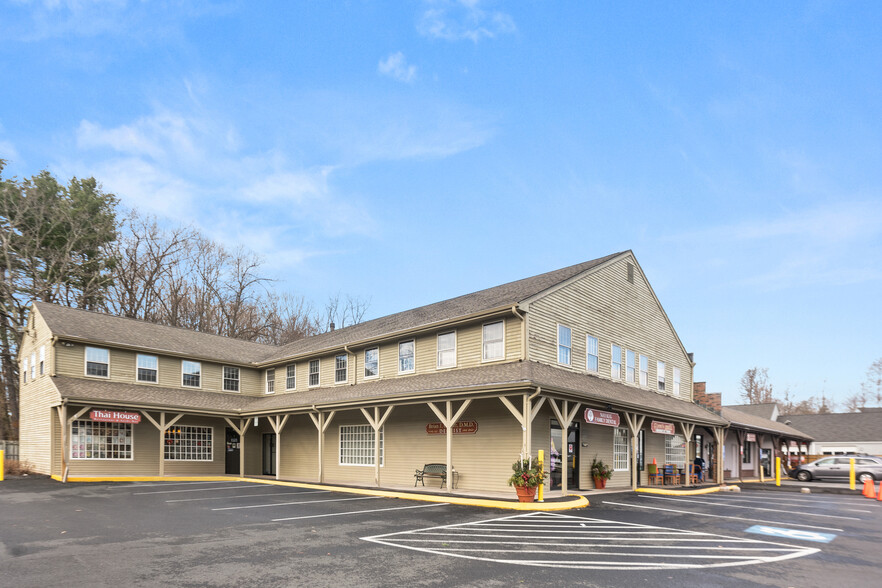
x: 580, y: 362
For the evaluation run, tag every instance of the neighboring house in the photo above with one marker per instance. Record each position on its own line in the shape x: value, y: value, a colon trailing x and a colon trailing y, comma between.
x: 754, y: 437
x: 840, y: 433
x: 472, y: 382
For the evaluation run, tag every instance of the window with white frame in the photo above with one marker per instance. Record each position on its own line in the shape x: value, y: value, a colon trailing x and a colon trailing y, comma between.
x: 747, y: 452
x: 644, y: 370
x: 231, y: 379
x: 357, y: 445
x: 147, y: 368
x: 315, y: 366
x: 42, y: 359
x: 630, y: 367
x: 620, y: 449
x: 34, y: 366
x: 615, y: 371
x: 447, y: 350
x: 290, y: 377
x: 94, y: 440
x: 564, y: 344
x: 270, y: 381
x: 406, y: 357
x: 591, y: 353
x: 191, y: 373
x: 493, y: 341
x: 371, y: 362
x: 675, y: 450
x: 660, y: 375
x: 24, y: 370
x: 184, y: 443
x: 676, y: 389
x: 341, y: 368
x: 97, y: 362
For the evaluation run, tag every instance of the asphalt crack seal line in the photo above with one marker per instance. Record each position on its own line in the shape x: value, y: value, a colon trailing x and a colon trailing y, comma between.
x: 565, y: 541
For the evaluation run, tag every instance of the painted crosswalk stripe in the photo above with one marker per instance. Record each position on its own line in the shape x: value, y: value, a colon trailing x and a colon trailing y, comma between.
x: 608, y: 545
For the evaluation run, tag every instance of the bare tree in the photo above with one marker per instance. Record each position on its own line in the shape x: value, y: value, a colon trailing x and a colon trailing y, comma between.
x: 755, y: 386
x: 855, y: 402
x: 872, y: 387
x: 344, y: 312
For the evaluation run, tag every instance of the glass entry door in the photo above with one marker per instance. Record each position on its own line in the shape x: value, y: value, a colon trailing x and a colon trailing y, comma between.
x: 559, y: 449
x: 232, y: 452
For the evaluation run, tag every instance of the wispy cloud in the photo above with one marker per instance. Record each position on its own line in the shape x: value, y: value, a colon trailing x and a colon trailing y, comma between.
x: 458, y: 20
x: 396, y: 67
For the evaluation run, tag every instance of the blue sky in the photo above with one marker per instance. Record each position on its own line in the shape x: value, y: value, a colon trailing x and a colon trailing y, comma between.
x: 414, y: 151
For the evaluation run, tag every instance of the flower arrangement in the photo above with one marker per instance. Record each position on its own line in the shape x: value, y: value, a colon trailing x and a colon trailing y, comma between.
x: 600, y: 470
x: 527, y: 473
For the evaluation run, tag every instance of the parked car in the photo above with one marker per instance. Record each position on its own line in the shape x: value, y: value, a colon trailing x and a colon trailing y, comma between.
x: 866, y: 467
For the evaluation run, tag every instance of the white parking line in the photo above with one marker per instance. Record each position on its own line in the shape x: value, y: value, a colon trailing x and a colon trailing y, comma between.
x: 248, y: 496
x: 142, y: 485
x: 787, y: 503
x: 818, y: 500
x: 703, y: 514
x: 301, y: 502
x: 340, y: 514
x: 709, y: 502
x: 239, y: 487
x: 681, y: 549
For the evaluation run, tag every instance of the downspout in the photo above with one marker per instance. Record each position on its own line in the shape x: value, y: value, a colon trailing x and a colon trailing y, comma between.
x: 355, y: 366
x: 52, y: 366
x: 514, y: 310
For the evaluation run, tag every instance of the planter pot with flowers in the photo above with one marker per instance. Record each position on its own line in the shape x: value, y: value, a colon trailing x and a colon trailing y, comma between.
x: 600, y: 472
x: 526, y: 477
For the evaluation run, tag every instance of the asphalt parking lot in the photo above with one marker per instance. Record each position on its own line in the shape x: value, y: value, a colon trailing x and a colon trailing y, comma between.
x: 245, y: 534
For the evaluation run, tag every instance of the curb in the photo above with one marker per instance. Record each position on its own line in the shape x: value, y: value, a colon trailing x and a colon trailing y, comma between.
x: 573, y: 501
x: 710, y: 490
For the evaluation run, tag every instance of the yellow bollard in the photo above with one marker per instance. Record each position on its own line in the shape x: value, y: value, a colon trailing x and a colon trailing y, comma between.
x: 541, y: 458
x: 851, y: 473
x: 777, y: 471
x: 3, y: 465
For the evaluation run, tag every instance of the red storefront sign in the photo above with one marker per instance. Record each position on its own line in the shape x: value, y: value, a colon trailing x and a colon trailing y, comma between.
x: 663, y: 428
x: 601, y: 417
x: 115, y: 416
x: 459, y: 428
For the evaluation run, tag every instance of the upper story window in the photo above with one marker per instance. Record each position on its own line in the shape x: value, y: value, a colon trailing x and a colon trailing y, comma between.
x: 406, y: 359
x: 42, y: 358
x: 564, y: 344
x: 591, y: 353
x: 676, y: 389
x: 231, y: 379
x: 315, y: 366
x: 371, y: 362
x: 630, y: 366
x: 660, y: 371
x: 24, y: 370
x: 97, y: 362
x: 191, y: 373
x: 447, y: 350
x: 291, y: 377
x: 644, y: 370
x: 34, y: 366
x: 341, y: 368
x: 270, y: 381
x: 615, y: 371
x: 147, y: 368
x: 494, y: 341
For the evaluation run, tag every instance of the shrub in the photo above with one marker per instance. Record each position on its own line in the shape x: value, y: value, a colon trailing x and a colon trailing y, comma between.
x: 14, y: 467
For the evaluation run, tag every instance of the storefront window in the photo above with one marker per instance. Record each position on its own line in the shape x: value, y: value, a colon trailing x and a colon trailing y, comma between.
x: 675, y: 450
x: 94, y: 440
x: 188, y: 443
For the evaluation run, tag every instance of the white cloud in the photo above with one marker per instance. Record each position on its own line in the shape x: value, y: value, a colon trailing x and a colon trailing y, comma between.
x: 453, y: 20
x: 395, y: 66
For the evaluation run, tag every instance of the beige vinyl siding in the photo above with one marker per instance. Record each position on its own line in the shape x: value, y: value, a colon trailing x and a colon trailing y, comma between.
x: 605, y: 305
x: 299, y: 445
x: 36, y: 399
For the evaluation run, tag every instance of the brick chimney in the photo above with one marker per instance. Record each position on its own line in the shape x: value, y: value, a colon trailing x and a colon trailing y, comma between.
x: 701, y: 397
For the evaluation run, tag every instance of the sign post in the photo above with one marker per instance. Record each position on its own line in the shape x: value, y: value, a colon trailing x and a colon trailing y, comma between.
x: 539, y: 493
x: 851, y: 473
x: 777, y: 471
x: 3, y: 465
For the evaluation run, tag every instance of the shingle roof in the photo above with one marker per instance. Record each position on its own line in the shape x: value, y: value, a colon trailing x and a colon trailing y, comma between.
x: 745, y: 420
x: 461, y: 306
x: 514, y: 374
x: 849, y: 427
x: 73, y: 323
x: 112, y: 330
x: 765, y: 410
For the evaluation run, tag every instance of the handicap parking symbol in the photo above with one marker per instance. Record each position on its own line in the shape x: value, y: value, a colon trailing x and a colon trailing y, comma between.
x: 792, y: 533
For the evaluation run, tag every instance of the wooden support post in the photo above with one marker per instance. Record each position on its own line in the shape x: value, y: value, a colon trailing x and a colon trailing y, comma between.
x: 720, y: 437
x: 635, y: 423
x: 240, y: 430
x: 376, y: 424
x: 278, y: 423
x: 448, y: 419
x: 565, y: 417
x: 62, y: 420
x: 687, y: 429
x: 321, y: 423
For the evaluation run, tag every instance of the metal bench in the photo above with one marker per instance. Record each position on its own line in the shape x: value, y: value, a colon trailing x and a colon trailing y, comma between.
x: 434, y: 470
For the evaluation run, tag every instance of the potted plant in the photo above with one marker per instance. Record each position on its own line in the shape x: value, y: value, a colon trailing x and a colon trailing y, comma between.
x: 526, y: 477
x: 600, y: 472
